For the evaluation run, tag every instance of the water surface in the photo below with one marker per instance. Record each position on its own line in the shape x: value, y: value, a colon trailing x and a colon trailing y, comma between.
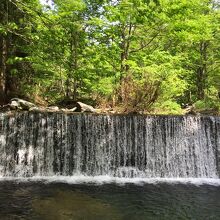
x: 61, y: 201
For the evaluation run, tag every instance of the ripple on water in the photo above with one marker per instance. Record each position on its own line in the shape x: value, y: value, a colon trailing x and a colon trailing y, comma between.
x: 59, y: 200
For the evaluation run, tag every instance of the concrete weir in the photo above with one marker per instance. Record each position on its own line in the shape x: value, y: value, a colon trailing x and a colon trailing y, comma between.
x: 133, y: 146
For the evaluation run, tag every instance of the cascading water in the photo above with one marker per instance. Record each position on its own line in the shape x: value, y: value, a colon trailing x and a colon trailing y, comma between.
x: 48, y: 144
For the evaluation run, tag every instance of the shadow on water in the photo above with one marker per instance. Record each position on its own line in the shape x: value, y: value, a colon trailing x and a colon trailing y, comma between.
x: 59, y: 201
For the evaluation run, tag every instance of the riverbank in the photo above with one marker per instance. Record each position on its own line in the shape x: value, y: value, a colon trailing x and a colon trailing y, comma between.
x: 19, y: 105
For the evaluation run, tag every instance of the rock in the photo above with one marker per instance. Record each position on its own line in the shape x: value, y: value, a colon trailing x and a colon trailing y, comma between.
x: 72, y: 109
x: 21, y: 104
x: 75, y: 106
x: 82, y: 107
x: 45, y: 109
x: 53, y: 108
x: 190, y: 110
x: 68, y: 110
x: 37, y: 109
x: 15, y: 105
x: 5, y: 108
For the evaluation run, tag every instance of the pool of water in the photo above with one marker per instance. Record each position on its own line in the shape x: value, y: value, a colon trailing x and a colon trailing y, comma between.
x: 57, y: 200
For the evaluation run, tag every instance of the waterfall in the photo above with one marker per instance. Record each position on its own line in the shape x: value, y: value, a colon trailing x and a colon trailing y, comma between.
x: 47, y: 144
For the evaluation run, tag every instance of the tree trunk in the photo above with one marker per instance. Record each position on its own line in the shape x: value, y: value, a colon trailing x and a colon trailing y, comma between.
x: 123, y: 54
x: 3, y: 54
x: 202, y: 71
x: 200, y: 84
x: 124, y: 46
x: 73, y: 65
x: 68, y: 86
x: 3, y: 69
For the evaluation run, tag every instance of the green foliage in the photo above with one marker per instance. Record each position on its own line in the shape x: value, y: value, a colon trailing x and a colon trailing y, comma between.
x: 142, y: 55
x: 167, y: 107
x: 207, y: 104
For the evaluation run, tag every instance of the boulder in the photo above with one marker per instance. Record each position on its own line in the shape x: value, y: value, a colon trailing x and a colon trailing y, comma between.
x: 37, y: 109
x: 53, y: 108
x: 14, y: 105
x: 67, y: 110
x: 190, y: 110
x: 82, y: 107
x: 21, y: 104
x: 74, y: 106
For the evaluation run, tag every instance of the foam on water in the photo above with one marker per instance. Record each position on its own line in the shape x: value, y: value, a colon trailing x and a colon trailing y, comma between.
x: 99, y: 180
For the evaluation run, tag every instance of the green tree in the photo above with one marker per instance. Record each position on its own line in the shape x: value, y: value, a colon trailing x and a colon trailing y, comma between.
x: 15, y: 37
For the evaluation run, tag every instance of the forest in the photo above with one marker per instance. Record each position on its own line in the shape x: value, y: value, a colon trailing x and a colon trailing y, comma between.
x: 150, y: 56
